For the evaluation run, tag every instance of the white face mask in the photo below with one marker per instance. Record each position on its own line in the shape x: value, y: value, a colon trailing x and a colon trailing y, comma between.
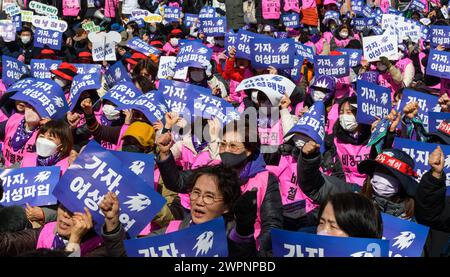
x: 348, y: 122
x: 197, y: 76
x: 31, y: 116
x: 45, y: 147
x: 343, y: 34
x: 174, y: 42
x: 323, y: 233
x: 62, y: 83
x: 255, y: 97
x: 110, y: 112
x: 317, y: 95
x: 25, y: 39
x: 384, y: 185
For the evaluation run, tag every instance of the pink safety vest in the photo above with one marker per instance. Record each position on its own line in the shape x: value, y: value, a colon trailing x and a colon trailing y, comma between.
x: 421, y: 56
x: 236, y: 96
x: 71, y: 7
x: 110, y: 8
x: 3, y: 116
x: 271, y: 135
x: 47, y: 235
x: 291, y: 5
x: 333, y: 116
x: 169, y: 49
x: 401, y: 64
x: 11, y: 156
x: 173, y: 226
x: 343, y: 87
x: 290, y: 192
x: 271, y: 9
x: 120, y: 142
x: 385, y: 80
x: 31, y: 161
x: 350, y: 156
x: 260, y: 181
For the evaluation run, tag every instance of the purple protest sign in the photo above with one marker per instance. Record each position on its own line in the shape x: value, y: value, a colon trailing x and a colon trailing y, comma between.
x: 440, y: 35
x: 373, y: 101
x: 439, y: 64
x: 279, y: 53
x: 337, y: 66
x: 12, y: 70
x: 41, y: 68
x: 48, y: 38
x: 141, y: 46
x: 172, y: 14
x: 213, y: 27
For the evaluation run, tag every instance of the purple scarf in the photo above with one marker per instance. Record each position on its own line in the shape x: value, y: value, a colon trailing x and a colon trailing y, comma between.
x: 21, y: 136
x: 50, y: 160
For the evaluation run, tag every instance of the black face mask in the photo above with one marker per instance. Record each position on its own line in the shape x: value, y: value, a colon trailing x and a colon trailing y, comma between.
x: 231, y: 160
x: 132, y: 148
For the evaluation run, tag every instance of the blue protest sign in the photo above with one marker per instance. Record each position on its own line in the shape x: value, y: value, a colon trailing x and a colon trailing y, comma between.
x: 280, y: 34
x: 122, y: 94
x: 369, y: 76
x: 143, y: 165
x: 17, y: 20
x: 207, y: 12
x: 193, y: 54
x: 373, y: 101
x: 298, y: 244
x: 304, y: 51
x: 12, y: 70
x: 244, y: 43
x: 32, y: 185
x: 420, y: 151
x: 377, y: 30
x: 417, y: 5
x: 230, y: 40
x: 427, y: 103
x: 8, y: 31
x: 440, y: 34
x: 424, y: 32
x: 151, y: 104
x: 337, y: 66
x: 435, y: 118
x: 176, y: 94
x: 40, y: 69
x: 190, y: 19
x: 45, y: 96
x: 49, y: 38
x: 208, y: 239
x: 213, y: 27
x: 97, y: 171
x: 291, y: 20
x: 84, y: 68
x: 116, y: 73
x: 295, y: 71
x: 406, y: 238
x: 279, y: 53
x: 359, y: 23
x: 172, y: 14
x: 357, y: 6
x: 82, y: 82
x: 141, y: 46
x: 439, y: 64
x: 354, y: 55
x: 367, y: 11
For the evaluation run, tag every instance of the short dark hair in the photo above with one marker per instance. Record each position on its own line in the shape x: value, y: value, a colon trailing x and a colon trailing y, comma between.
x: 248, y: 132
x: 145, y: 84
x: 61, y: 130
x: 355, y: 214
x: 226, y: 179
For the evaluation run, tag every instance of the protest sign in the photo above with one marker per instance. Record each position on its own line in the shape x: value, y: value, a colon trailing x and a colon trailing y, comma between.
x: 373, y: 101
x: 380, y: 46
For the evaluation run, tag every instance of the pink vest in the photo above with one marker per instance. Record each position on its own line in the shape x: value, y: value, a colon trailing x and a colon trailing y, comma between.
x: 173, y: 226
x: 421, y: 56
x: 110, y: 8
x: 291, y: 5
x: 47, y: 235
x: 350, y: 156
x: 260, y: 181
x: 299, y: 107
x: 271, y: 9
x: 271, y: 135
x: 169, y: 49
x: 236, y: 96
x: 11, y: 156
x: 343, y: 87
x: 333, y: 116
x: 71, y: 7
x: 120, y: 142
x: 290, y: 192
x: 174, y: 4
x: 386, y: 80
x: 3, y: 116
x: 31, y: 161
x: 401, y: 64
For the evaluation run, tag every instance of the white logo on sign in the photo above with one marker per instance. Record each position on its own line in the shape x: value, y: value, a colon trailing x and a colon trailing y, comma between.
x: 138, y: 202
x: 404, y: 240
x: 58, y: 101
x: 202, y: 51
x: 137, y: 167
x: 204, y: 243
x: 354, y: 55
x: 372, y: 250
x: 283, y: 48
x: 117, y: 73
x: 447, y: 161
x: 340, y: 62
x: 42, y: 176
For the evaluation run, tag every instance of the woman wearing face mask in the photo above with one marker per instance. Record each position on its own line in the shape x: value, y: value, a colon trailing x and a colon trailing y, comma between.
x: 25, y: 44
x: 146, y: 68
x: 239, y: 151
x: 132, y: 29
x: 171, y: 47
x: 213, y: 192
x: 197, y: 76
x: 63, y: 76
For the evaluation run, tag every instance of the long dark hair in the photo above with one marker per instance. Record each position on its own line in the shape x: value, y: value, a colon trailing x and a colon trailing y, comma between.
x: 355, y: 214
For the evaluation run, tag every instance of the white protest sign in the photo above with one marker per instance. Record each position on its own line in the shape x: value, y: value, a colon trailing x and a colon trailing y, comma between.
x: 181, y: 73
x: 104, y: 45
x: 27, y: 16
x: 407, y: 30
x: 153, y: 18
x: 138, y: 13
x: 12, y: 10
x: 380, y: 46
x: 47, y: 23
x: 166, y: 67
x: 390, y: 20
x: 7, y: 30
x: 43, y: 9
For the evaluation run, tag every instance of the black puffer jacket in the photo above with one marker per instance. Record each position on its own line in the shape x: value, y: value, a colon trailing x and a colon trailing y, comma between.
x: 271, y: 209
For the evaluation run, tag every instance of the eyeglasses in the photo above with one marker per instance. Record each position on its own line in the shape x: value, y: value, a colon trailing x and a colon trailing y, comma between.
x: 206, y: 198
x: 232, y: 146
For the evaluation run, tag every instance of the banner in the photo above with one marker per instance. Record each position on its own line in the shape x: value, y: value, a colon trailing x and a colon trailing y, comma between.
x: 298, y: 244
x: 97, y: 171
x: 141, y: 46
x: 84, y: 68
x: 354, y: 55
x: 193, y: 54
x: 306, y: 52
x: 151, y: 105
x: 438, y: 64
x: 337, y: 66
x: 380, y: 46
x: 153, y: 18
x: 291, y: 20
x: 122, y: 94
x: 47, y: 23
x: 427, y: 102
x: 440, y: 35
x: 279, y: 53
x: 116, y: 73
x: 40, y: 69
x: 49, y: 38
x: 190, y: 19
x: 166, y: 67
x: 172, y: 14
x: 213, y: 27
x: 32, y: 185
x: 41, y: 8
x: 244, y: 43
x: 373, y: 101
x: 12, y: 70
x: 82, y: 83
x: 435, y: 118
x: 406, y: 238
x: 8, y: 31
x: 208, y: 239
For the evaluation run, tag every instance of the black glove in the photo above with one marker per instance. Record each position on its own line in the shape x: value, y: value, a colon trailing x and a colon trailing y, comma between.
x: 245, y: 213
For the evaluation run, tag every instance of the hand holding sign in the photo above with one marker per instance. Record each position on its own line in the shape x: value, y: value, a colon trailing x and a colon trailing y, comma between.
x: 164, y: 142
x: 86, y: 105
x: 394, y: 117
x: 34, y: 214
x: 82, y: 223
x: 444, y: 102
x: 411, y: 110
x: 436, y: 161
x: 310, y: 147
x: 110, y: 209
